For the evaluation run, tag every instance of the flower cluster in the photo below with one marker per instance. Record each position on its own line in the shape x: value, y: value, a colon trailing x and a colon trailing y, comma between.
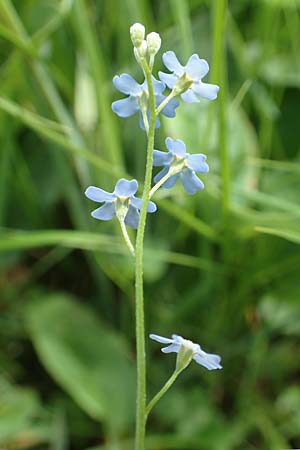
x: 149, y: 99
x: 185, y: 81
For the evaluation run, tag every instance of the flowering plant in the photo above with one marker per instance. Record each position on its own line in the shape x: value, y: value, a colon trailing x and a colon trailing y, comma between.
x: 149, y: 100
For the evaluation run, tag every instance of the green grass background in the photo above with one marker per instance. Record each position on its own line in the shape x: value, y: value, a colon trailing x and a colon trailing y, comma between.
x: 221, y: 267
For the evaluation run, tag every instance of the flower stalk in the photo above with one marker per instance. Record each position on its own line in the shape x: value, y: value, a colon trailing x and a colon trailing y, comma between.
x: 172, y: 171
x: 139, y: 289
x: 126, y: 237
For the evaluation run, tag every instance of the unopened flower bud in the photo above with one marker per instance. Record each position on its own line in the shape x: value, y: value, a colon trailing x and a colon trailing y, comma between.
x: 141, y: 51
x: 137, y: 34
x: 153, y: 42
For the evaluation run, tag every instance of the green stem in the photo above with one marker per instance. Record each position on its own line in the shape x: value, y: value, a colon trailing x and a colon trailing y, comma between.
x: 162, y: 392
x: 126, y: 237
x: 162, y: 181
x: 165, y: 102
x: 139, y: 296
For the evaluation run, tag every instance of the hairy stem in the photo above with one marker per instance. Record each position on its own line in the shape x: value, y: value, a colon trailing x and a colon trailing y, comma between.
x: 126, y: 237
x: 139, y: 291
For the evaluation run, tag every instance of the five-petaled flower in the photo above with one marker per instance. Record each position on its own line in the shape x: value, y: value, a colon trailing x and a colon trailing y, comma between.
x: 182, y: 163
x: 138, y: 100
x: 208, y: 360
x: 122, y: 196
x: 190, y: 76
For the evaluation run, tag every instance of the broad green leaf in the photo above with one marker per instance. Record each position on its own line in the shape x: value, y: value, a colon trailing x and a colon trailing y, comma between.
x: 85, y: 358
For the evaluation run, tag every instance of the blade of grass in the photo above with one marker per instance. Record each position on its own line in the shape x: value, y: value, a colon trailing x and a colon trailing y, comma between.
x: 47, y: 129
x: 95, y: 242
x: 181, y: 13
x: 86, y: 34
x: 47, y: 86
x: 188, y: 219
x: 289, y: 235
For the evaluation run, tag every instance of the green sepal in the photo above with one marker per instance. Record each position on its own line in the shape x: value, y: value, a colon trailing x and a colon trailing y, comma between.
x: 121, y: 208
x: 184, y: 357
x: 182, y: 84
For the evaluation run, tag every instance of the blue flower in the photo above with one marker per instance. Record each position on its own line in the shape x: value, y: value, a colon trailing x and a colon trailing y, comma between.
x: 178, y: 160
x: 208, y: 360
x: 194, y: 71
x: 124, y: 194
x: 138, y: 98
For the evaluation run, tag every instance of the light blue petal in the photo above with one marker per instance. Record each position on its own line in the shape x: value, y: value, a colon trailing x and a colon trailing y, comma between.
x: 141, y: 121
x: 125, y: 188
x: 171, y: 348
x: 105, y: 212
x: 151, y: 207
x: 98, y: 195
x: 171, y: 62
x: 189, y: 97
x: 191, y: 182
x: 158, y: 99
x: 161, y: 339
x: 206, y: 90
x: 169, y: 109
x: 126, y: 84
x: 176, y: 146
x: 125, y: 107
x: 158, y: 86
x: 137, y: 203
x: 168, y: 78
x: 196, y: 68
x: 170, y: 181
x: 132, y: 217
x: 178, y: 339
x: 197, y: 163
x: 161, y: 158
x: 161, y: 174
x: 210, y: 361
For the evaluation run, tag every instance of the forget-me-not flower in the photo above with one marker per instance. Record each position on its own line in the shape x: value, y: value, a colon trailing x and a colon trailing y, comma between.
x: 185, y: 164
x: 190, y: 75
x: 122, y: 196
x: 138, y: 98
x: 208, y: 360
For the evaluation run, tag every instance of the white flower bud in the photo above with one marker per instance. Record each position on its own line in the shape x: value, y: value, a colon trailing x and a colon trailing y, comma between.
x: 141, y: 51
x: 153, y: 42
x: 137, y: 34
x: 143, y: 48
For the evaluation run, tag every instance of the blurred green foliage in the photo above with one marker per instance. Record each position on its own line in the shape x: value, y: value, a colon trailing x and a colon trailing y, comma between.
x: 221, y: 267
